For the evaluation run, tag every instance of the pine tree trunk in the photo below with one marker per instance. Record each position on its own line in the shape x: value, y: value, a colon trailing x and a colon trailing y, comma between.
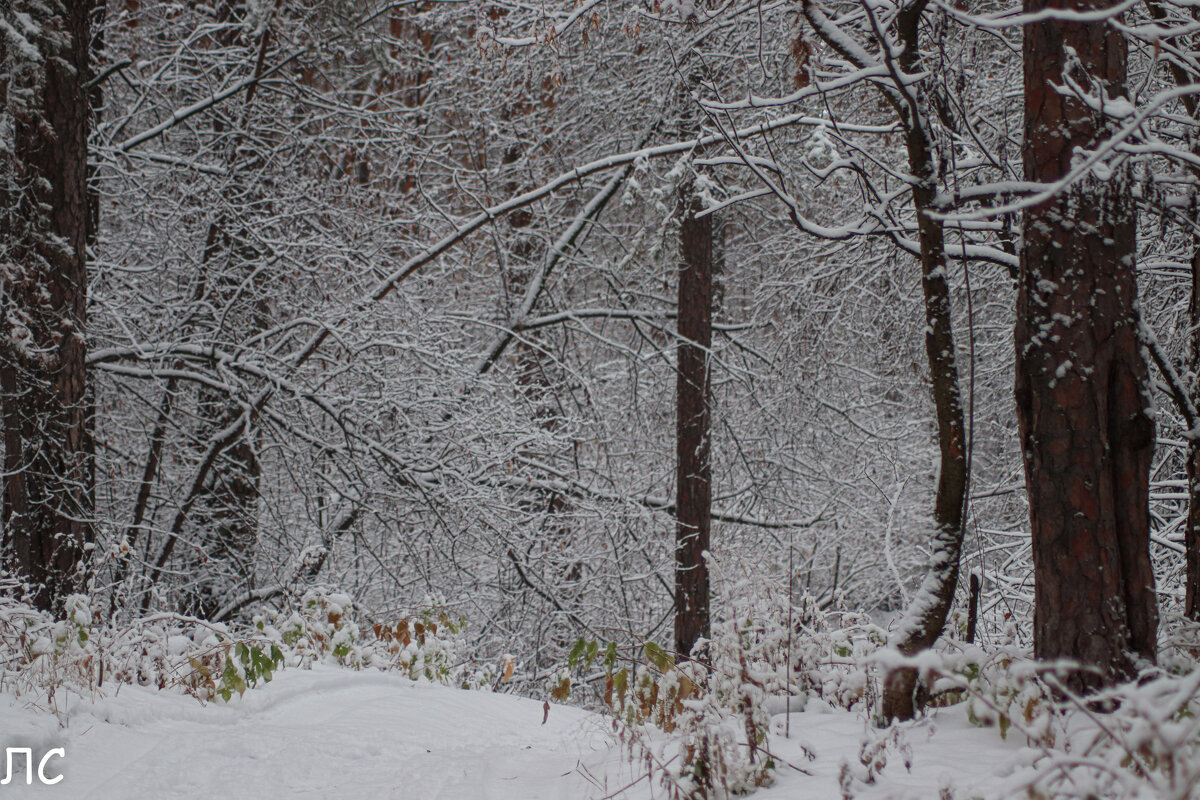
x: 47, y: 507
x: 1081, y: 383
x: 693, y: 475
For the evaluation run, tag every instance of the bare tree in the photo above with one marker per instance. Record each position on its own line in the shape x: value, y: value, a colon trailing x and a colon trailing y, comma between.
x: 897, y: 49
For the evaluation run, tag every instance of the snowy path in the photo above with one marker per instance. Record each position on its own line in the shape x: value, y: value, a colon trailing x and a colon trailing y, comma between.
x: 334, y: 734
x: 319, y: 734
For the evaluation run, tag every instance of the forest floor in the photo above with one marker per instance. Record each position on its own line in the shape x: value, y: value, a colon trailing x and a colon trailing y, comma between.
x: 334, y: 733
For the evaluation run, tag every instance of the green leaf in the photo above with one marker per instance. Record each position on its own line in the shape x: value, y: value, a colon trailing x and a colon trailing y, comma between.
x: 231, y: 681
x: 621, y: 683
x: 610, y: 655
x: 658, y: 657
x: 576, y: 653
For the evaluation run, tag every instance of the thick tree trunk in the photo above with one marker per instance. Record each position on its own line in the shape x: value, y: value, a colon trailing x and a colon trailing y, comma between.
x: 47, y: 507
x: 1081, y: 380
x: 693, y: 421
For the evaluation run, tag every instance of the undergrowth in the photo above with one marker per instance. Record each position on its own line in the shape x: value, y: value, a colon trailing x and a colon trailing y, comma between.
x: 701, y: 726
x: 42, y: 659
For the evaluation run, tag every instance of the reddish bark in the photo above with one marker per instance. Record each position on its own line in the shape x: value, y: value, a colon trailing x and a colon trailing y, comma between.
x: 1081, y: 385
x: 47, y: 508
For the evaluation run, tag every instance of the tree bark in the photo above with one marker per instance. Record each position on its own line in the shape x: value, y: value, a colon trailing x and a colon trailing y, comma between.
x: 693, y: 422
x: 1081, y: 379
x: 47, y: 506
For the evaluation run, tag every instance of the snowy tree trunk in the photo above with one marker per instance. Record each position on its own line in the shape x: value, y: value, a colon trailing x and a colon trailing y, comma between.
x: 1082, y: 390
x: 693, y: 421
x: 925, y: 618
x: 47, y: 508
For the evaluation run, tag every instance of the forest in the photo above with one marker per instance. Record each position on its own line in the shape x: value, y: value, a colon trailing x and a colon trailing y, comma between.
x: 696, y: 364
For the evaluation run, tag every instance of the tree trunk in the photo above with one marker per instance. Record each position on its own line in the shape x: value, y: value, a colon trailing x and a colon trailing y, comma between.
x: 925, y: 619
x: 693, y: 421
x: 47, y: 507
x: 1081, y: 380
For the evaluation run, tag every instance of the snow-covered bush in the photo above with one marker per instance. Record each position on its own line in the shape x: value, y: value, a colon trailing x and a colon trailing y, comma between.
x: 873, y: 758
x: 802, y: 651
x: 41, y: 656
x: 1004, y: 687
x: 702, y: 724
x: 428, y: 644
x: 320, y: 627
x: 724, y: 731
x: 1146, y: 746
x: 701, y: 728
x: 38, y: 654
x: 232, y: 667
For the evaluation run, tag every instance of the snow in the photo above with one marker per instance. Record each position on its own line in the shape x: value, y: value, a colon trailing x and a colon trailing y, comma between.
x: 327, y: 732
x: 332, y: 732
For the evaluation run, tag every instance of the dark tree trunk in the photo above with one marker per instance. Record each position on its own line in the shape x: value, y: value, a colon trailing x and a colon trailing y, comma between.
x: 1081, y: 380
x: 693, y: 471
x: 47, y: 507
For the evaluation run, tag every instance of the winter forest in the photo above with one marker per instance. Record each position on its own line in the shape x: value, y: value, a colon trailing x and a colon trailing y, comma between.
x: 600, y: 398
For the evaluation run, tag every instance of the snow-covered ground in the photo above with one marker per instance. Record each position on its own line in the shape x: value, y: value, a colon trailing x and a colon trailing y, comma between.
x: 334, y: 733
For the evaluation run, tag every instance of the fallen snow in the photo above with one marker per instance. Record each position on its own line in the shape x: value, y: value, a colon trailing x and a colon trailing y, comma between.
x: 334, y: 733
